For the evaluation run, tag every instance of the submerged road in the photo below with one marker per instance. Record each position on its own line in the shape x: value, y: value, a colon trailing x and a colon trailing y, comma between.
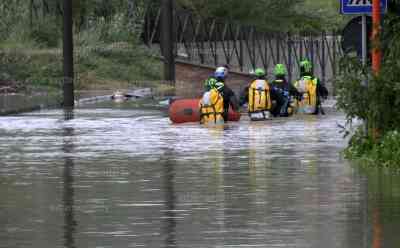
x: 126, y: 177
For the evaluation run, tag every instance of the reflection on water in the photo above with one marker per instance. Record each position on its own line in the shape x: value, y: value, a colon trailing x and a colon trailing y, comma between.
x: 128, y: 178
x: 68, y: 194
x: 170, y: 221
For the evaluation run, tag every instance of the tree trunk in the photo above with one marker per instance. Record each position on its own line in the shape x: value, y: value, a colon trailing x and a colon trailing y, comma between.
x: 132, y: 15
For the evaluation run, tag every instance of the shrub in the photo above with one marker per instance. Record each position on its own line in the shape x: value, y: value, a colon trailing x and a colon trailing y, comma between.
x: 385, y: 152
x: 46, y: 32
x: 378, y: 102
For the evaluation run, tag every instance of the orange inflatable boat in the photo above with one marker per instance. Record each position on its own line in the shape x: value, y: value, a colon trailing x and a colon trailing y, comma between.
x: 187, y: 110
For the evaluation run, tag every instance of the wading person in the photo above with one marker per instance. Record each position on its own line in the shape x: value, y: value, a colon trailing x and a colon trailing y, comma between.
x: 212, y: 103
x: 230, y: 100
x: 287, y: 90
x: 312, y: 90
x: 263, y: 101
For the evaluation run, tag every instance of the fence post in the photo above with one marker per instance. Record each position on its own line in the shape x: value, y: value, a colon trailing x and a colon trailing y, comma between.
x: 167, y: 39
x: 312, y: 52
x: 241, y: 38
x: 68, y: 53
x: 289, y: 45
x: 335, y: 63
x: 323, y: 64
x: 278, y: 52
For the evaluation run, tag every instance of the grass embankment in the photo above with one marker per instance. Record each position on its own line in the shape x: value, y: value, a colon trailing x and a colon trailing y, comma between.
x: 96, y: 67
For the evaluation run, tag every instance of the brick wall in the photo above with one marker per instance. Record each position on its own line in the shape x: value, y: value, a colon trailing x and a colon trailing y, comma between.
x: 190, y: 79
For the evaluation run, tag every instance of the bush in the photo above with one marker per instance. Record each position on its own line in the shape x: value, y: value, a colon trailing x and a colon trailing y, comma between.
x: 378, y: 102
x: 388, y: 151
x: 112, y: 57
x: 385, y: 152
x: 46, y: 33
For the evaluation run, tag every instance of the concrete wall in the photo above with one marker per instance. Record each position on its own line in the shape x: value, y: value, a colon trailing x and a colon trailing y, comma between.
x: 190, y: 79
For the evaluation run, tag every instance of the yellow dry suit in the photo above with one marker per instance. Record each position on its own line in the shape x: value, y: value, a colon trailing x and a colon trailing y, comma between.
x: 260, y: 103
x: 307, y: 86
x: 212, y: 108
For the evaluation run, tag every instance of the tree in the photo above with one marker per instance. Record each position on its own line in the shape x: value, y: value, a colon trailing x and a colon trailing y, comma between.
x: 267, y: 15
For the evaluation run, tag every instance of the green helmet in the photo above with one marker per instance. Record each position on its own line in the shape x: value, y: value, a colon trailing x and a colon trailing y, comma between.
x: 259, y: 72
x: 306, y: 66
x: 210, y: 83
x: 280, y: 70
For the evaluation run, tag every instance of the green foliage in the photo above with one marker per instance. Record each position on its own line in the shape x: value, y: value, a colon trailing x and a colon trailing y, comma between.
x: 266, y: 14
x: 378, y: 101
x: 385, y: 152
x: 115, y: 30
x: 106, y: 56
x: 30, y: 68
x: 352, y: 93
x: 11, y: 13
x: 388, y: 151
x: 272, y: 15
x: 359, y: 145
x: 326, y: 14
x: 46, y: 33
x: 107, y: 49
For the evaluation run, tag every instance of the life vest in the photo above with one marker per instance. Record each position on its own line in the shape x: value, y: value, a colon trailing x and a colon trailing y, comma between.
x: 308, y: 87
x: 212, y: 108
x: 260, y: 103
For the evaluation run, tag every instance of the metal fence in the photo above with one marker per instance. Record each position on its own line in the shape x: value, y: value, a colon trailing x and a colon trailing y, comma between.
x: 206, y: 41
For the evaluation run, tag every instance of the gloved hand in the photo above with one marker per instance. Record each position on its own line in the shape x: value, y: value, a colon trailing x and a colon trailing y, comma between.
x: 286, y: 94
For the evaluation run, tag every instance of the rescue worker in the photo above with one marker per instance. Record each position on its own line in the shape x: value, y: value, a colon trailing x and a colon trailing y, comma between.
x: 212, y: 103
x: 229, y: 97
x: 312, y: 90
x: 262, y: 100
x: 287, y: 90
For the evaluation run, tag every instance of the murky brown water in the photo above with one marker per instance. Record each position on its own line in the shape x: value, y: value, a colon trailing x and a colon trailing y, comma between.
x: 128, y: 178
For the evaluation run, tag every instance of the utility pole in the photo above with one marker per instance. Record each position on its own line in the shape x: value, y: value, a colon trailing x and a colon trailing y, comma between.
x: 365, y: 57
x: 168, y: 39
x: 68, y: 55
x: 376, y: 29
x: 364, y: 40
x: 376, y: 51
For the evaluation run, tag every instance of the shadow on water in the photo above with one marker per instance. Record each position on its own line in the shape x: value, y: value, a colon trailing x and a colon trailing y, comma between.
x: 70, y: 223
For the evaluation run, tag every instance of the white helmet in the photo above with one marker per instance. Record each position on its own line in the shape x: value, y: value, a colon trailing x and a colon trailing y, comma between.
x: 222, y: 69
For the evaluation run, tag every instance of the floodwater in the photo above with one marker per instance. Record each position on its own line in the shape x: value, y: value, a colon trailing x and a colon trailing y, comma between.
x: 126, y: 177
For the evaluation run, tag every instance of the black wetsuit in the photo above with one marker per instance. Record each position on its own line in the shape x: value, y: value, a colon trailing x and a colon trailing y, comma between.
x: 284, y: 85
x: 322, y: 92
x: 287, y: 90
x: 229, y: 100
